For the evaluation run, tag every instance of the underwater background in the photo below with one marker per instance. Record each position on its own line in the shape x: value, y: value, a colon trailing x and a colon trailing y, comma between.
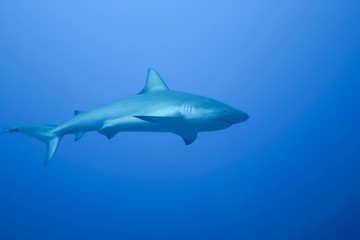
x: 289, y: 172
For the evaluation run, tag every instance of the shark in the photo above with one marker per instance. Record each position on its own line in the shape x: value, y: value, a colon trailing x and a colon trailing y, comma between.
x: 155, y: 108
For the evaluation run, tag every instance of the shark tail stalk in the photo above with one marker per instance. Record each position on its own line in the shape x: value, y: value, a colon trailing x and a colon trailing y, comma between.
x: 43, y: 133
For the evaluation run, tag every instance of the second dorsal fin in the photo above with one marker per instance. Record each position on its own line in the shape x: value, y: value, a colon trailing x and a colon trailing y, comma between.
x: 77, y: 112
x: 153, y: 82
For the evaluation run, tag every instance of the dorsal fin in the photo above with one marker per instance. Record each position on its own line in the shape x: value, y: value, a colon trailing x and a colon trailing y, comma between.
x: 153, y: 82
x: 77, y: 112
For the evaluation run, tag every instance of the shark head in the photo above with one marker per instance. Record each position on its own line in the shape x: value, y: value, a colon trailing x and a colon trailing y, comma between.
x: 202, y: 113
x: 232, y: 115
x: 223, y: 112
x: 216, y: 113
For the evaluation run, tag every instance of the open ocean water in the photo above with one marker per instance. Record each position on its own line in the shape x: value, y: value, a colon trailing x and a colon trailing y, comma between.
x: 289, y: 172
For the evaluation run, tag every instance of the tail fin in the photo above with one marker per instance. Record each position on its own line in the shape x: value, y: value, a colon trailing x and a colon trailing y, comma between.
x: 42, y: 132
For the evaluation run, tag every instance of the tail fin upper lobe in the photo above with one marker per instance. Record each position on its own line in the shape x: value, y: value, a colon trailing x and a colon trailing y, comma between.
x: 43, y: 133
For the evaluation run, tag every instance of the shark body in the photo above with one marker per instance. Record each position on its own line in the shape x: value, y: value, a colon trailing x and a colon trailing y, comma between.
x: 154, y: 109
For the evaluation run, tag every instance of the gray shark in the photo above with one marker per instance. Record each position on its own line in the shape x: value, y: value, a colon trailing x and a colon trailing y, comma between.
x: 153, y: 109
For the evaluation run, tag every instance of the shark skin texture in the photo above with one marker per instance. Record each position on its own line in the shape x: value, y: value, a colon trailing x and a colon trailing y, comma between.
x: 156, y: 108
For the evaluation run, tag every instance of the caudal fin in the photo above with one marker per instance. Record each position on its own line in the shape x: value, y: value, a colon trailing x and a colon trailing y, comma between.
x: 43, y: 133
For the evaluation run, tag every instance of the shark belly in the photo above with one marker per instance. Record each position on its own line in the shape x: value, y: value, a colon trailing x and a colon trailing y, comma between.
x: 209, y: 125
x: 80, y: 124
x: 129, y: 124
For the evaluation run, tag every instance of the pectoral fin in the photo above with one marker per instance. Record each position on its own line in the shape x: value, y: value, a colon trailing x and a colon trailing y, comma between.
x: 176, y: 125
x: 164, y: 121
x: 188, y: 135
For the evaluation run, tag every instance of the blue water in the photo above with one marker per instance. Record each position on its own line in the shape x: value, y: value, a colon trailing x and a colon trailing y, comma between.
x: 290, y: 172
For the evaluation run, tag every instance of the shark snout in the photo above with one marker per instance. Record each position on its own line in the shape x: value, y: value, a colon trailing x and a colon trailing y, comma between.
x: 236, y: 116
x: 243, y: 117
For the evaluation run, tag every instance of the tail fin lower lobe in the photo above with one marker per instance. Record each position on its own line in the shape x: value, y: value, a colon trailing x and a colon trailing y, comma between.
x: 43, y: 133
